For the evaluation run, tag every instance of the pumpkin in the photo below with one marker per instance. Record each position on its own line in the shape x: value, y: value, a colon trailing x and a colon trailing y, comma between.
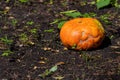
x: 82, y: 33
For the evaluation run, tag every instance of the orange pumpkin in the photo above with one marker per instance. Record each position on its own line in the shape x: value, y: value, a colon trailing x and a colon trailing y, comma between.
x: 82, y: 33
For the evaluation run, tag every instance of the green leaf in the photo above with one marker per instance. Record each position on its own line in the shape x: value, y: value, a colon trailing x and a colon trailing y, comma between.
x: 92, y: 14
x: 55, y: 21
x: 53, y: 69
x: 6, y: 40
x: 102, y: 3
x: 49, y: 30
x: 23, y: 1
x: 74, y: 46
x: 33, y: 31
x: 44, y: 74
x: 48, y: 71
x: 105, y: 18
x: 7, y: 53
x: 30, y: 23
x: 72, y: 13
x: 60, y: 24
x: 86, y: 15
x: 23, y: 37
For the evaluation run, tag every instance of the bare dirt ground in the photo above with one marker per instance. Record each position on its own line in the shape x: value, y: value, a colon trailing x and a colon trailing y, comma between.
x: 24, y: 28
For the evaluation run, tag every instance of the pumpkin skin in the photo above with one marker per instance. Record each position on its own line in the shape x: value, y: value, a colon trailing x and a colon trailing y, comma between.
x: 82, y: 33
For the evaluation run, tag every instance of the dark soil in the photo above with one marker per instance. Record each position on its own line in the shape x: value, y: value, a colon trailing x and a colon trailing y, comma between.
x: 35, y: 52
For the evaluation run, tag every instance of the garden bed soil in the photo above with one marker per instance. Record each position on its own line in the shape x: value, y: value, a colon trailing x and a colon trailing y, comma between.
x: 41, y: 50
